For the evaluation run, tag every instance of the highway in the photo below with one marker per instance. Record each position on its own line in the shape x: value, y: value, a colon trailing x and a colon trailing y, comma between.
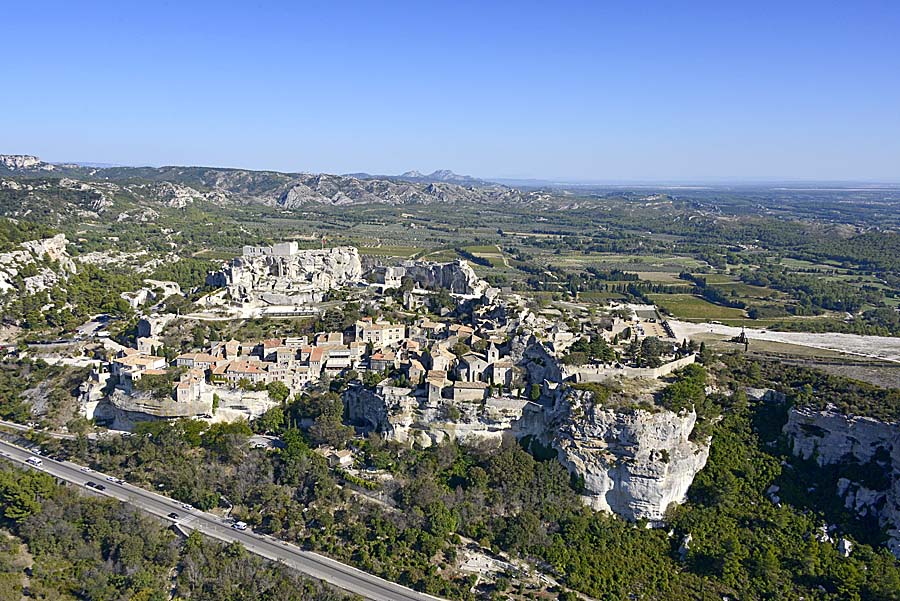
x: 312, y: 564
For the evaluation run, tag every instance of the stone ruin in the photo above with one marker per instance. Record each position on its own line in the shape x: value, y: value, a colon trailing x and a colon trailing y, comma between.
x: 283, y: 275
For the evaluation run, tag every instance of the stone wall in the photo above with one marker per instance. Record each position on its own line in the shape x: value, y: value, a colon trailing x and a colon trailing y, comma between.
x: 592, y: 373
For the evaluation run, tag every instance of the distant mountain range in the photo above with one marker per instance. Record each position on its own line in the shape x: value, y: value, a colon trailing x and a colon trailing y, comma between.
x: 28, y: 184
x: 440, y: 176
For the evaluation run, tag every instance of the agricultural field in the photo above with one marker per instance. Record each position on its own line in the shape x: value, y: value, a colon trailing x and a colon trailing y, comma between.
x: 404, y: 252
x: 694, y: 308
x: 662, y: 277
x: 645, y: 263
x: 600, y: 297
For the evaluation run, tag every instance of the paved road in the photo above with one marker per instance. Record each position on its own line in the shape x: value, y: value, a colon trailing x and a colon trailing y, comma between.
x: 311, y: 564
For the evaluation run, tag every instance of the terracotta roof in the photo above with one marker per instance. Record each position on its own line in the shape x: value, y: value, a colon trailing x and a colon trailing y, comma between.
x: 136, y: 360
x: 471, y: 385
x: 244, y: 367
x: 436, y: 376
x: 205, y: 357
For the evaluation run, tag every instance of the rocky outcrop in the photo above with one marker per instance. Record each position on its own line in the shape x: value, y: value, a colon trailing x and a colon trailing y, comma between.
x: 173, y: 195
x: 389, y: 410
x: 293, y: 279
x: 529, y: 353
x: 832, y: 438
x: 99, y: 193
x: 401, y: 415
x: 457, y: 276
x: 15, y: 162
x: 153, y: 325
x: 45, y: 262
x: 634, y: 462
x: 152, y: 291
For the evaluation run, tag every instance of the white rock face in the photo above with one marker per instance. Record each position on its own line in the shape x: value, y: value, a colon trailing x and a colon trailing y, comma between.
x: 831, y: 437
x: 35, y: 252
x: 295, y: 279
x: 21, y: 161
x: 399, y: 415
x: 634, y: 463
x: 457, y: 277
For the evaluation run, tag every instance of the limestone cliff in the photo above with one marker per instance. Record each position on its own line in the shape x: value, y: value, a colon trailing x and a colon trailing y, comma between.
x: 401, y: 415
x: 458, y: 276
x: 528, y: 352
x: 634, y: 462
x: 15, y: 162
x: 832, y: 438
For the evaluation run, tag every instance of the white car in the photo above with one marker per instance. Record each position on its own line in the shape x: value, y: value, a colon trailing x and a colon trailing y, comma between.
x: 239, y: 526
x: 85, y: 469
x: 186, y: 507
x: 110, y: 478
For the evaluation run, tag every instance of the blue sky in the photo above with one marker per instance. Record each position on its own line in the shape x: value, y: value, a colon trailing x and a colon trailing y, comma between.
x: 591, y: 91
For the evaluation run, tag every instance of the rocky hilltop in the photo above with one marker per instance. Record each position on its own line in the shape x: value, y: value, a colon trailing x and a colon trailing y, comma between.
x: 340, y: 190
x: 457, y: 276
x: 290, y: 278
x: 832, y: 438
x: 15, y: 162
x: 635, y: 463
x: 35, y: 266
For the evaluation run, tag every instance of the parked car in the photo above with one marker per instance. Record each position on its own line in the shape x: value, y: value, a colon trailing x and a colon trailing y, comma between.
x: 173, y: 515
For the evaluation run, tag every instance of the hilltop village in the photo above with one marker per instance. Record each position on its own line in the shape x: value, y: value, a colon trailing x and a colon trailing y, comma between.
x: 458, y: 409
x: 435, y: 352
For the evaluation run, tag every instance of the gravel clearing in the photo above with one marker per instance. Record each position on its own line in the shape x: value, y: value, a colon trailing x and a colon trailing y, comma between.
x: 877, y: 347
